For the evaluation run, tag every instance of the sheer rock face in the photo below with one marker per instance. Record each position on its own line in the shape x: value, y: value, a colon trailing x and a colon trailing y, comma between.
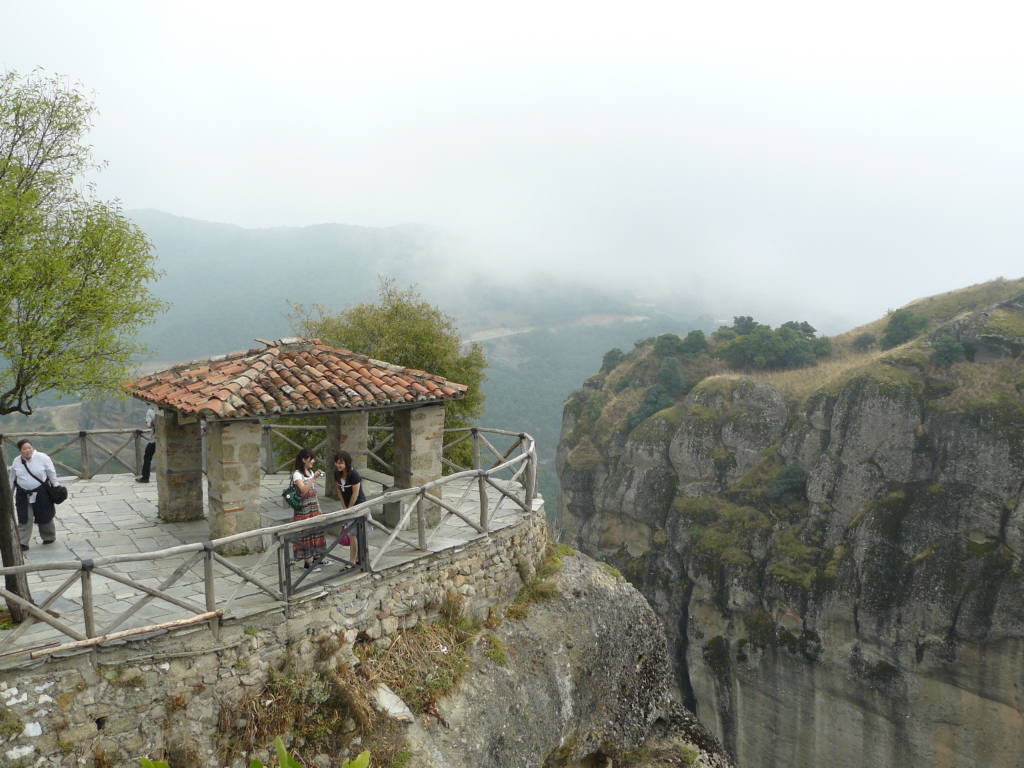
x: 878, y: 618
x: 586, y: 680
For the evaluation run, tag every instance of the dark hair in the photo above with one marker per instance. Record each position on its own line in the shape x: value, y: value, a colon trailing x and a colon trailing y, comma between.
x: 304, y: 454
x: 23, y: 442
x: 346, y: 457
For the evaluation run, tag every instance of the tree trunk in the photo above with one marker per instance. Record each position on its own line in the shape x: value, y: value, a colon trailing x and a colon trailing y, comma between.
x: 10, y: 548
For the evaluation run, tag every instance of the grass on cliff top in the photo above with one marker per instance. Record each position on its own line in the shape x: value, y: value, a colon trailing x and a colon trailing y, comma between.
x: 542, y: 586
x: 942, y: 307
x: 993, y: 388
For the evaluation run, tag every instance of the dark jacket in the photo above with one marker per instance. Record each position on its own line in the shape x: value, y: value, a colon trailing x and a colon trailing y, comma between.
x: 44, y: 509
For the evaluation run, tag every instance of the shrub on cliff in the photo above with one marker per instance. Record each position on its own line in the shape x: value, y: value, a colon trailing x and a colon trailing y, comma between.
x: 657, y: 399
x: 790, y: 483
x: 946, y: 350
x: 611, y: 359
x: 670, y: 376
x: 864, y: 341
x: 695, y: 344
x: 903, y: 326
x: 765, y: 349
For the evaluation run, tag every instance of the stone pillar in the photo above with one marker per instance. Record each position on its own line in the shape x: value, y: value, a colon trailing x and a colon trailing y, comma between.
x: 179, y: 467
x: 233, y: 477
x: 419, y: 439
x: 346, y: 431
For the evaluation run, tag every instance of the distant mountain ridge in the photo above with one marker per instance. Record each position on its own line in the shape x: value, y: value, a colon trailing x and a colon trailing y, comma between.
x: 228, y: 285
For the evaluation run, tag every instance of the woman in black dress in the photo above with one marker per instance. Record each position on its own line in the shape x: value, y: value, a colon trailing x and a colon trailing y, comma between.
x: 350, y: 492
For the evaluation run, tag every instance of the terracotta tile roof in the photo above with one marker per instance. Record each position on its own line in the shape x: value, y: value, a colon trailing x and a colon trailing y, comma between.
x: 289, y: 376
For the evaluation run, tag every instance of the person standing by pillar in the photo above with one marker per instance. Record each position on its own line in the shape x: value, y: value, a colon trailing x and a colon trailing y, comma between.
x: 27, y: 474
x: 149, y: 435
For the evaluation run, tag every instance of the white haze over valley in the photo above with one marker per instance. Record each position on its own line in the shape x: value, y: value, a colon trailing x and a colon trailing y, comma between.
x: 821, y: 160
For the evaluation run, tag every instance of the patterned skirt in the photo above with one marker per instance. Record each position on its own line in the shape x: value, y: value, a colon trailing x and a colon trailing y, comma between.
x: 314, y: 538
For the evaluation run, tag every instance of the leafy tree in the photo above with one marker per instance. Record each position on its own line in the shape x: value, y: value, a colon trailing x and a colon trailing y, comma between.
x: 864, y: 341
x: 822, y: 347
x: 803, y: 327
x: 725, y: 333
x: 74, y: 272
x: 403, y: 329
x: 668, y: 344
x: 765, y: 349
x: 670, y: 376
x: 657, y: 398
x: 695, y: 344
x: 946, y: 350
x: 744, y: 325
x: 611, y: 360
x: 903, y: 326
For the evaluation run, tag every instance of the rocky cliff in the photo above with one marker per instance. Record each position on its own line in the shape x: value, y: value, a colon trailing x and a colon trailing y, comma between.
x: 836, y: 553
x: 585, y: 686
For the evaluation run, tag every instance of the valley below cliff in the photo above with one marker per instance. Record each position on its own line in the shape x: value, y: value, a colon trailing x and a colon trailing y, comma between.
x: 835, y: 552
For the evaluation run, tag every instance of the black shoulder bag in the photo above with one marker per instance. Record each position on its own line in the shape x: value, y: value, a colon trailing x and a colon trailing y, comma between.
x: 58, y: 493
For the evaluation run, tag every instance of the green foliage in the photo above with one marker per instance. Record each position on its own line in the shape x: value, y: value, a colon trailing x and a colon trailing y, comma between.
x: 822, y: 347
x: 790, y: 483
x: 803, y: 327
x: 903, y: 326
x: 947, y: 350
x: 403, y: 329
x: 657, y: 398
x: 668, y: 344
x: 284, y: 760
x: 724, y: 334
x: 74, y: 272
x: 744, y: 325
x: 864, y: 341
x: 611, y: 359
x: 765, y: 349
x: 670, y: 376
x: 695, y: 344
x: 495, y: 650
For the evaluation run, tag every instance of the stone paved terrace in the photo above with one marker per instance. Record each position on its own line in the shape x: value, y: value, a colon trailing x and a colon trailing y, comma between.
x: 113, y: 515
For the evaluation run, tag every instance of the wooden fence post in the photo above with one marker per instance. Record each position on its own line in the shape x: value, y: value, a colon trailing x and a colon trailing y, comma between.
x: 421, y: 520
x: 268, y: 450
x: 211, y: 599
x: 87, y: 605
x: 83, y: 438
x: 138, y: 452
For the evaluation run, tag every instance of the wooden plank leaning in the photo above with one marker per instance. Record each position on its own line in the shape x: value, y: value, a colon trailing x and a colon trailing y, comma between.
x: 87, y: 642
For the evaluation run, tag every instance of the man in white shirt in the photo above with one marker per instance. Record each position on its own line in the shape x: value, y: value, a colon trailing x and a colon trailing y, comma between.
x: 149, y: 435
x: 27, y: 474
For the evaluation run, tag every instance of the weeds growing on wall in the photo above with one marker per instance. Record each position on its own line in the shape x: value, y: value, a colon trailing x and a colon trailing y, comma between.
x: 322, y: 711
x: 423, y: 663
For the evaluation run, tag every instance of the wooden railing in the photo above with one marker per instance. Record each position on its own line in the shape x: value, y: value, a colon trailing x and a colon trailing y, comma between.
x: 272, y: 466
x: 94, y: 457
x: 517, y: 489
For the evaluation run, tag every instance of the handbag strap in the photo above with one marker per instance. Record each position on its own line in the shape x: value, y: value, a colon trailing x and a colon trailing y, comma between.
x: 25, y: 464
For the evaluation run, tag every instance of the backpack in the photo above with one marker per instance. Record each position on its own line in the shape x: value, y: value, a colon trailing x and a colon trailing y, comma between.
x: 292, y: 497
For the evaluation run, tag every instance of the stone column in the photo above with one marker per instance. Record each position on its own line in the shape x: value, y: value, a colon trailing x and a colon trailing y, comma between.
x: 233, y: 477
x: 179, y: 467
x: 346, y: 431
x: 419, y: 439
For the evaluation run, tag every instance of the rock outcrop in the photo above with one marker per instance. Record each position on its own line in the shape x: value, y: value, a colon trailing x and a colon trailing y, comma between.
x: 840, y: 573
x: 586, y: 682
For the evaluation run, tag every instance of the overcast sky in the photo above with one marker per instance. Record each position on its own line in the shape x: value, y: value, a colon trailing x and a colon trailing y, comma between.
x: 847, y: 156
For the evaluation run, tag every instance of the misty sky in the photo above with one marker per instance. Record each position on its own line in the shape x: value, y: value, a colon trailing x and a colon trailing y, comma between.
x: 845, y: 157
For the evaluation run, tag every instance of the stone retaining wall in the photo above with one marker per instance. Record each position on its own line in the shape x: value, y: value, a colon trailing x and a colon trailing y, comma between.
x: 144, y: 696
